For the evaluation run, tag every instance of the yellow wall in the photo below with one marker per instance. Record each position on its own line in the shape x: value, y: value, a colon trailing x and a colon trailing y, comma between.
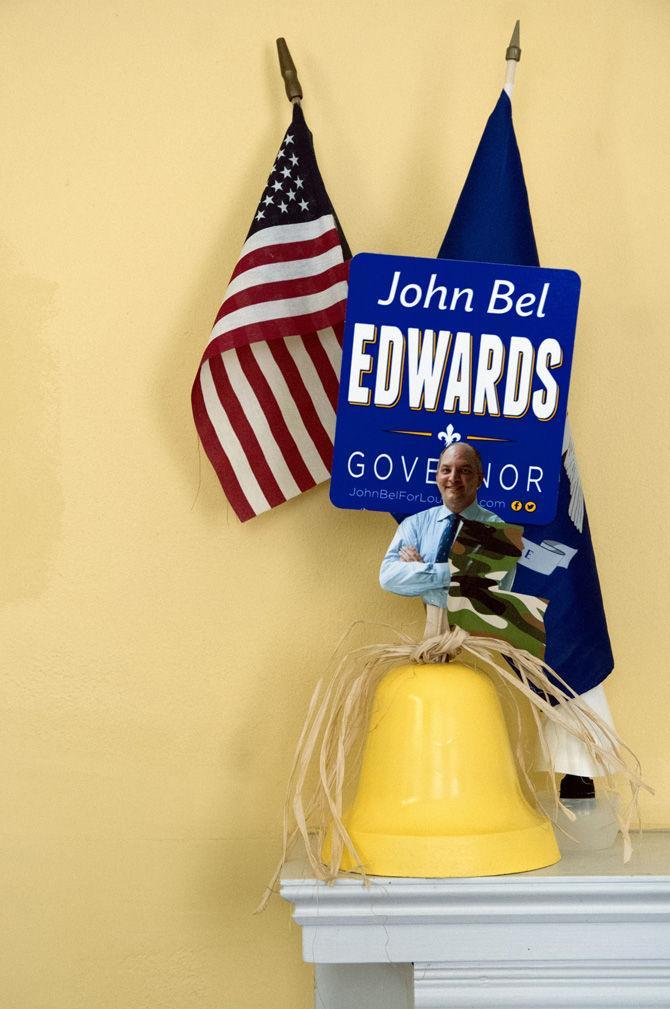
x: 149, y: 706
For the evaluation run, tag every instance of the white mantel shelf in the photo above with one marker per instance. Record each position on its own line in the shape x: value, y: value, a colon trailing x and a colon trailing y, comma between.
x: 587, y: 933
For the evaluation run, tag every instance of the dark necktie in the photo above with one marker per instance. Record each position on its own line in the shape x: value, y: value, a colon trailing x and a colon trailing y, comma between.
x: 447, y: 538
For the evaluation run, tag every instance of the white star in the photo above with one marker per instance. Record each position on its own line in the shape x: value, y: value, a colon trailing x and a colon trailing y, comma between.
x: 283, y: 207
x: 294, y: 160
x: 261, y: 213
x: 277, y: 185
x: 268, y: 200
x: 298, y: 182
x: 303, y: 205
x: 280, y: 153
x: 286, y: 172
x: 291, y: 194
x: 288, y: 139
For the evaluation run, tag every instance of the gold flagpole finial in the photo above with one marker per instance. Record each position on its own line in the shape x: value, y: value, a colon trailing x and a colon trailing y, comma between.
x: 514, y: 47
x: 288, y: 72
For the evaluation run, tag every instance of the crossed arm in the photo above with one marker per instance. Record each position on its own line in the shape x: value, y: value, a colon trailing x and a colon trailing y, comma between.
x: 405, y: 572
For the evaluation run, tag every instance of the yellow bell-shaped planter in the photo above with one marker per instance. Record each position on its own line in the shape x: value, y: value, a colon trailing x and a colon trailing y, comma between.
x: 438, y: 793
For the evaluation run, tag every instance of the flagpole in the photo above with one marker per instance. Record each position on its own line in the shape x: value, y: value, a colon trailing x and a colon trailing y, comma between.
x: 513, y: 55
x: 289, y: 73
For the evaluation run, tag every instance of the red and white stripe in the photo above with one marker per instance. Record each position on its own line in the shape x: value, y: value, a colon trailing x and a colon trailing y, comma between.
x: 265, y: 396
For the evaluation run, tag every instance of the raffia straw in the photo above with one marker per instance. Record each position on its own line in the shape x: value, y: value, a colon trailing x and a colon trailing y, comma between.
x: 338, y: 716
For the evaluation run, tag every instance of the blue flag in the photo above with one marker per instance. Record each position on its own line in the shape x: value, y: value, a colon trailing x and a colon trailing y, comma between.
x: 492, y: 223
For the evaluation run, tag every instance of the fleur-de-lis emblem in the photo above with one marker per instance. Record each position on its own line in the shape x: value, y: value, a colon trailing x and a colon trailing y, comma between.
x: 449, y: 436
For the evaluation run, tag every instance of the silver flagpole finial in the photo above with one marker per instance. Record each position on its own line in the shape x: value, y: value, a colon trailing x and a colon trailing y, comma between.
x: 514, y: 47
x: 513, y: 55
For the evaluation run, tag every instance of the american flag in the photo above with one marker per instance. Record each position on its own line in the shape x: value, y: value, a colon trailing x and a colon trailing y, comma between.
x: 265, y: 395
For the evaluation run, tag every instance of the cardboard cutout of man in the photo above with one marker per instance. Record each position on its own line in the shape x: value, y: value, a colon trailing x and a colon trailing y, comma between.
x: 417, y: 561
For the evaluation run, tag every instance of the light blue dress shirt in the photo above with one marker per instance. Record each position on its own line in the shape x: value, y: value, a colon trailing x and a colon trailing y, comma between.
x: 424, y: 531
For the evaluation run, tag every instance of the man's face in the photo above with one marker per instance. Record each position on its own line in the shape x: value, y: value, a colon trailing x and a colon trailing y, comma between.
x: 458, y: 477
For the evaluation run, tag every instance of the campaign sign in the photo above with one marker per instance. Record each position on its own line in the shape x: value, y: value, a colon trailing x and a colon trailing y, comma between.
x: 438, y: 352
